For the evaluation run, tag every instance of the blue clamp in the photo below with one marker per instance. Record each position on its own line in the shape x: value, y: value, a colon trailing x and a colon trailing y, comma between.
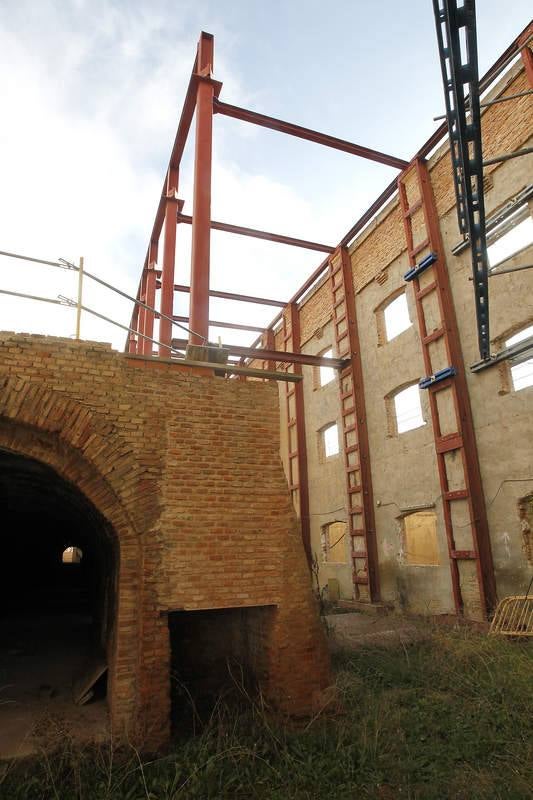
x: 441, y: 375
x: 418, y: 268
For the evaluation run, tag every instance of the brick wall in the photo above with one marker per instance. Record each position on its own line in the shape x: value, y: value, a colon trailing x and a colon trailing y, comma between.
x: 186, y: 470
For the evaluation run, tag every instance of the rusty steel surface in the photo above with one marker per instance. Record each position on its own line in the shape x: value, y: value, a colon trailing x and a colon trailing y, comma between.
x: 463, y: 440
x: 257, y: 234
x: 201, y: 223
x: 151, y: 283
x: 282, y: 126
x: 270, y: 354
x: 243, y: 298
x: 354, y: 432
x: 298, y: 477
x: 201, y: 84
x: 220, y: 324
x: 169, y: 259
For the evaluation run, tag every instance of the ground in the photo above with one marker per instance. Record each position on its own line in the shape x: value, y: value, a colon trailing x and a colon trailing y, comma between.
x: 424, y: 711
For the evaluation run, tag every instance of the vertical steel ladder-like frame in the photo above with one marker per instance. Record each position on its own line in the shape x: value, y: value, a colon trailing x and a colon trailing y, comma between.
x: 431, y: 283
x: 296, y: 437
x: 353, y: 431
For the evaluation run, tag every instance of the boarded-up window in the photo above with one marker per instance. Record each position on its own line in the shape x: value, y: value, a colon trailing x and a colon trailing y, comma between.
x: 420, y: 538
x: 334, y: 542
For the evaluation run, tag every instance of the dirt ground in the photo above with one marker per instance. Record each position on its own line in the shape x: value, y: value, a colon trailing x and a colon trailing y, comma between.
x: 39, y: 656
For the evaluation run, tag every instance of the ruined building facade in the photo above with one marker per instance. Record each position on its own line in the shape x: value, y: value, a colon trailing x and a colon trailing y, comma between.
x: 424, y: 522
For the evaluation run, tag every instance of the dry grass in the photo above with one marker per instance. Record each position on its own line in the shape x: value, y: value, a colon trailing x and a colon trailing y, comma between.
x: 450, y: 717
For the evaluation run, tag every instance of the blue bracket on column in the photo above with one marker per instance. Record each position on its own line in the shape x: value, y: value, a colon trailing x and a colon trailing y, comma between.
x: 441, y: 375
x: 415, y: 271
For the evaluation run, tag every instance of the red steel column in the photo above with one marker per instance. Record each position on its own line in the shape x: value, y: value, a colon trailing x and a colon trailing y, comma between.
x: 201, y: 218
x: 142, y: 312
x: 527, y: 55
x: 169, y: 260
x: 151, y: 281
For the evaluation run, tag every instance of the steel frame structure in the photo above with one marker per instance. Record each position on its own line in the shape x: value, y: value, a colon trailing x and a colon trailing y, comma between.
x: 202, y: 97
x: 461, y: 441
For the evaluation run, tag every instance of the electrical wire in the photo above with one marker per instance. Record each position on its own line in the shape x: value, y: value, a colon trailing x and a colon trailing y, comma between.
x: 62, y: 263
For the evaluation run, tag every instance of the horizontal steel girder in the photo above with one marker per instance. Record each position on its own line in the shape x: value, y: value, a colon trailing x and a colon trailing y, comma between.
x: 257, y: 234
x: 306, y: 133
x: 260, y: 354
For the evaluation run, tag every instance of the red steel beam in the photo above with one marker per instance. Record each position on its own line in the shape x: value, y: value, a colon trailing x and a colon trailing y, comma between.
x: 243, y: 298
x: 491, y: 74
x: 264, y: 354
x: 217, y: 324
x: 257, y: 234
x: 306, y: 133
x: 178, y: 147
x: 169, y: 259
x: 201, y: 224
x: 303, y: 483
x: 151, y: 285
x: 527, y: 55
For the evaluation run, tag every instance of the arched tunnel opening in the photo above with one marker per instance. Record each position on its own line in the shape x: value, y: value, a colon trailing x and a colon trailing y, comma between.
x: 57, y: 595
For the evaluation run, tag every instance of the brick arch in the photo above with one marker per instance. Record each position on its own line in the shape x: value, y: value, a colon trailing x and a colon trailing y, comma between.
x: 81, y: 447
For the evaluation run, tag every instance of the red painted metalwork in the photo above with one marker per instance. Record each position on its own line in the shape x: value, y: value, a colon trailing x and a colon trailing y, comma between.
x: 296, y: 441
x: 272, y: 355
x: 524, y: 41
x: 306, y: 133
x: 132, y: 339
x: 268, y: 345
x: 196, y: 79
x: 218, y: 324
x: 201, y: 225
x: 462, y: 441
x: 169, y: 260
x: 266, y: 235
x: 243, y: 298
x: 151, y: 285
x: 354, y: 433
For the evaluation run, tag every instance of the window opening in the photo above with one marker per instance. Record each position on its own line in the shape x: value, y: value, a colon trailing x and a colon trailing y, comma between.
x: 420, y: 546
x: 521, y: 372
x: 72, y: 555
x: 334, y: 542
x: 408, y: 409
x: 396, y: 315
x: 510, y: 236
x: 326, y: 374
x: 330, y: 438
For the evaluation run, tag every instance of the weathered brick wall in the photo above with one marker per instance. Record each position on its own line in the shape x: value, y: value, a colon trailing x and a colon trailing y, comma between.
x: 186, y: 469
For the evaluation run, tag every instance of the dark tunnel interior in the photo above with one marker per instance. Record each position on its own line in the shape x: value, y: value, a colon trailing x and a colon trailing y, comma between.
x: 57, y: 583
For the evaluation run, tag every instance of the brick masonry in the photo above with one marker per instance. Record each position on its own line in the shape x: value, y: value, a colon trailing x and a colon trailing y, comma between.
x: 186, y: 470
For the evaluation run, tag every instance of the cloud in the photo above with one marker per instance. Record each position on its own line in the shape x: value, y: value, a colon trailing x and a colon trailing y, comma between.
x: 91, y: 94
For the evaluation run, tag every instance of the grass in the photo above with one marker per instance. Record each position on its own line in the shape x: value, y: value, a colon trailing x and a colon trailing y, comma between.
x: 450, y: 717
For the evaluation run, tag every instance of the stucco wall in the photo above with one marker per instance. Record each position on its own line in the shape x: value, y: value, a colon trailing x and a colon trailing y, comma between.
x: 404, y: 467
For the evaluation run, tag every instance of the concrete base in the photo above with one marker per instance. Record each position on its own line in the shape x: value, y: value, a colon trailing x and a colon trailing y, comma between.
x: 376, y: 609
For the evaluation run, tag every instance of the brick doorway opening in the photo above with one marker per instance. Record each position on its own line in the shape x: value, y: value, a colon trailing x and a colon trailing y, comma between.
x: 57, y: 601
x: 218, y: 659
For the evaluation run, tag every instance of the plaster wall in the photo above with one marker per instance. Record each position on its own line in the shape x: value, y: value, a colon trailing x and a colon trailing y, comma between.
x: 404, y: 466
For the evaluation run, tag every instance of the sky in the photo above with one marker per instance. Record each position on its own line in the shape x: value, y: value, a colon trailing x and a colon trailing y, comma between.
x: 91, y: 95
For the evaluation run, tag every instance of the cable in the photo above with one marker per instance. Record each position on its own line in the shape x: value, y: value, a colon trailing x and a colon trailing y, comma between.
x: 62, y: 263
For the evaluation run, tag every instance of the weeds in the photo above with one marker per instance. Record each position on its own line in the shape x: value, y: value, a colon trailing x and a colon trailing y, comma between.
x: 450, y: 717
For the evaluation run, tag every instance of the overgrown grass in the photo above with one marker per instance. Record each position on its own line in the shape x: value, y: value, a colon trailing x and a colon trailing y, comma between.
x: 451, y: 717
